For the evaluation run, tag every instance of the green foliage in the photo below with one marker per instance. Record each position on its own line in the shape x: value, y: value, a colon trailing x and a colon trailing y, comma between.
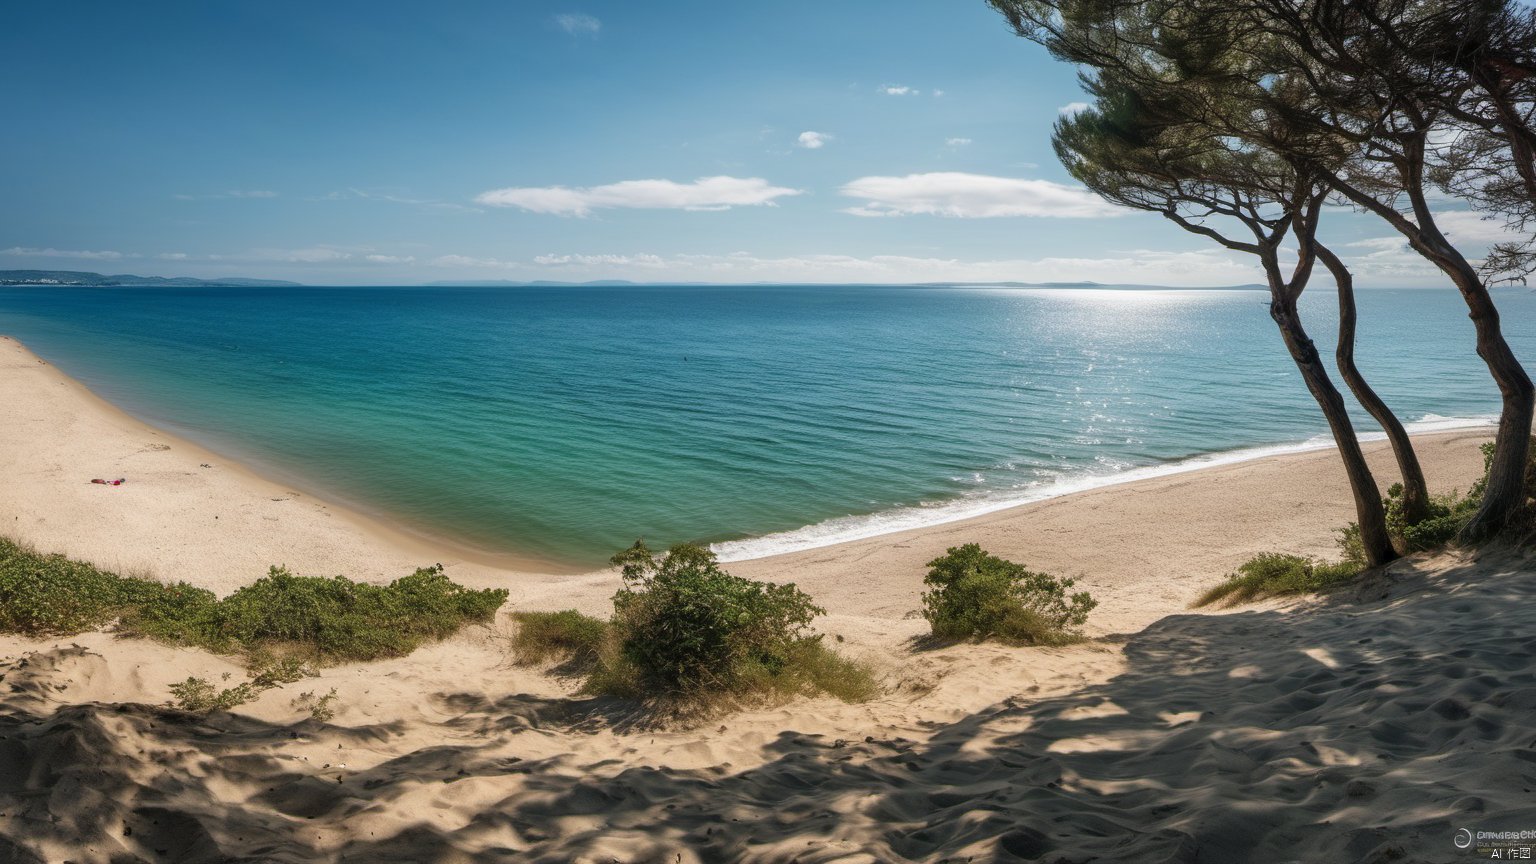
x: 1447, y: 514
x: 50, y: 595
x: 1274, y: 574
x: 685, y: 634
x: 337, y: 619
x: 322, y: 708
x: 566, y: 635
x: 977, y: 595
x: 1351, y: 546
x: 687, y: 625
x: 200, y: 696
x: 330, y: 620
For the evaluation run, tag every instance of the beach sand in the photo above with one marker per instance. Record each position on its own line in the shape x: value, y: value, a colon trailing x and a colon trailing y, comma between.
x: 1333, y: 730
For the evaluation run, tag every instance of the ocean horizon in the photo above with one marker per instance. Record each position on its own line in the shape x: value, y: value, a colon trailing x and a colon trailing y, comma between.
x: 562, y: 423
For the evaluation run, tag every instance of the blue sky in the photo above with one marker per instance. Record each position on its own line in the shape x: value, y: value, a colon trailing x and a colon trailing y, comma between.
x: 379, y: 143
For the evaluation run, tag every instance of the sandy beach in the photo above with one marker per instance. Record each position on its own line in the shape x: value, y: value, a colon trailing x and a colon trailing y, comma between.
x: 1362, y: 728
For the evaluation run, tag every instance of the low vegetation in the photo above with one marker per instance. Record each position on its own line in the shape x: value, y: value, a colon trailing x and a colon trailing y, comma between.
x: 322, y: 620
x: 974, y: 595
x: 566, y: 636
x: 687, y: 634
x: 1449, y: 514
x: 199, y: 696
x: 1275, y: 574
x: 322, y: 708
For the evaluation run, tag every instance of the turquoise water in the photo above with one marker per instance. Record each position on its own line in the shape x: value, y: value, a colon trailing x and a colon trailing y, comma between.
x: 565, y: 422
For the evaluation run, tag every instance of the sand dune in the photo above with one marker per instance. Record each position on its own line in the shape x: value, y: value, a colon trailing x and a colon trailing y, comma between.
x: 1365, y: 728
x: 1323, y: 732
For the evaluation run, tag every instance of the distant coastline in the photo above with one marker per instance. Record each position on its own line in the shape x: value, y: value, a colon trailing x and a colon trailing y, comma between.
x: 85, y: 279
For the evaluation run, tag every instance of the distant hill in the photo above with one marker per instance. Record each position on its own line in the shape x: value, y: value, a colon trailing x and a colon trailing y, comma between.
x: 96, y: 280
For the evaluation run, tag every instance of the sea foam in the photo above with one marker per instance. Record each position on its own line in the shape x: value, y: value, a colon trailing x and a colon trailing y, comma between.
x: 861, y: 526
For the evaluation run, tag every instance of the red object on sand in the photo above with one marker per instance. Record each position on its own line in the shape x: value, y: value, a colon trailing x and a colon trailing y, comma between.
x: 118, y: 482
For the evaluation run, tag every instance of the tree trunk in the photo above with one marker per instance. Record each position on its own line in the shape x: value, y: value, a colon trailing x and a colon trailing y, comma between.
x: 1511, y: 446
x: 1505, y: 492
x: 1415, y: 500
x: 1369, y: 513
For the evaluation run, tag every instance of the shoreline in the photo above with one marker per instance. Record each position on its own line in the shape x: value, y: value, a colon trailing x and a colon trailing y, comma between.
x: 965, y: 509
x: 271, y: 479
x: 188, y: 514
x: 838, y: 531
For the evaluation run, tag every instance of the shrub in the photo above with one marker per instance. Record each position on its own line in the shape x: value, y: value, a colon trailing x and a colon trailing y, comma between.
x: 1449, y: 514
x: 686, y: 625
x: 1273, y: 574
x: 565, y: 635
x: 337, y: 619
x: 50, y: 595
x: 199, y: 696
x: 322, y: 708
x: 981, y: 596
x: 330, y: 620
x: 1351, y: 546
x: 686, y: 633
x: 1444, y: 518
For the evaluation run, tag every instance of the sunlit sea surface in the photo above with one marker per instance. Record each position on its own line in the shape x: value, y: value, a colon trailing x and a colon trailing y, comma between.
x: 565, y: 422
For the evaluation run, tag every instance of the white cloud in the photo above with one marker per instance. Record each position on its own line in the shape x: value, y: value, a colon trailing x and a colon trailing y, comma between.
x: 468, y: 261
x: 578, y: 24
x: 365, y: 195
x: 706, y: 193
x: 310, y: 255
x: 173, y: 256
x: 813, y: 140
x: 1379, y: 244
x: 389, y: 259
x: 899, y: 90
x: 50, y: 252
x: 1391, y: 257
x: 1072, y: 108
x: 953, y: 193
x: 1468, y: 226
x: 938, y: 93
x: 643, y: 260
x: 957, y: 142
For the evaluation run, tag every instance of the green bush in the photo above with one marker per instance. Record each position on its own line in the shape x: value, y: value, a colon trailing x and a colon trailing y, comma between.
x: 685, y: 633
x: 565, y: 635
x: 1273, y: 574
x: 688, y: 625
x: 199, y: 696
x: 975, y: 595
x: 337, y: 619
x: 330, y: 620
x: 51, y: 595
x: 1449, y: 514
x: 322, y: 708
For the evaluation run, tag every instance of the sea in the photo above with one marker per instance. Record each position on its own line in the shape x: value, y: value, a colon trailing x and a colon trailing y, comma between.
x: 562, y: 423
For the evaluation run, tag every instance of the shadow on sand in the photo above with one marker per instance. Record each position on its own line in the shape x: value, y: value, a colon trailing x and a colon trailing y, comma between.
x: 1346, y: 731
